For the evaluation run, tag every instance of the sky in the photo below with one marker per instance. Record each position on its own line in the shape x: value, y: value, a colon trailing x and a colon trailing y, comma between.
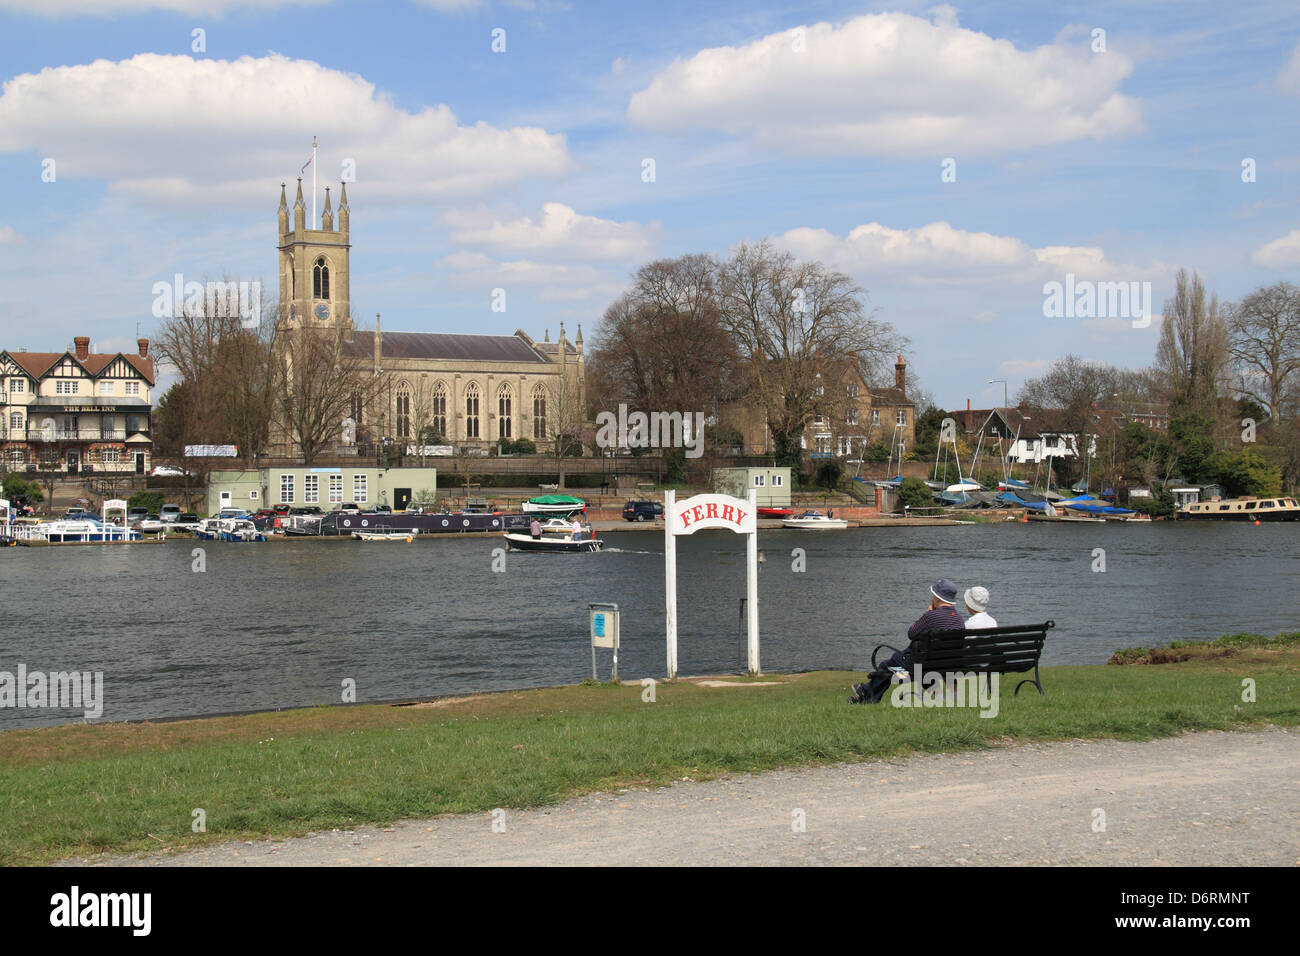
x: 955, y: 160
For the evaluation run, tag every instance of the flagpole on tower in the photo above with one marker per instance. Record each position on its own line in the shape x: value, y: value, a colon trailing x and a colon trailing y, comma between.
x: 313, y: 181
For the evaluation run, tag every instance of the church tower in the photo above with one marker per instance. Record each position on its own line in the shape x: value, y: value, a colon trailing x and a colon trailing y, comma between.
x: 314, y: 267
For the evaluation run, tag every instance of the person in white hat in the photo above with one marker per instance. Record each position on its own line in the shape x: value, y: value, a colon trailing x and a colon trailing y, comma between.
x: 977, y: 602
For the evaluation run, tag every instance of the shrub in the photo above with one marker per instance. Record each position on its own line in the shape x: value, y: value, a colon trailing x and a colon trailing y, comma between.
x: 151, y: 501
x: 915, y: 493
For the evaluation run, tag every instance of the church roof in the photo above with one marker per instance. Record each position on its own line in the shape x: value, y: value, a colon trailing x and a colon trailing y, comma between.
x: 456, y: 347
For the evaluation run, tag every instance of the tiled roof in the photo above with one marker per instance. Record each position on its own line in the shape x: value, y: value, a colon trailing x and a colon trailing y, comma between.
x: 36, y: 364
x: 455, y: 347
x: 889, y: 396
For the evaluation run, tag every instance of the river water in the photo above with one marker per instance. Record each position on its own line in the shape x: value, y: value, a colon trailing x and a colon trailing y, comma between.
x: 284, y: 624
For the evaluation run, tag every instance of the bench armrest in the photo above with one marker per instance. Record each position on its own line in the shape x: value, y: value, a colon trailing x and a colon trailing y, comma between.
x: 879, y: 648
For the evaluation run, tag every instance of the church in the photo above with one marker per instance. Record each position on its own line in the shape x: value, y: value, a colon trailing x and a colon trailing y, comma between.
x: 470, y: 390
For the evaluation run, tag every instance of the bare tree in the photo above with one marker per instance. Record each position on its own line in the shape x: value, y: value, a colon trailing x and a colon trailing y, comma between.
x: 563, y: 419
x: 792, y: 322
x: 1192, y: 354
x: 1264, y: 341
x: 316, y: 383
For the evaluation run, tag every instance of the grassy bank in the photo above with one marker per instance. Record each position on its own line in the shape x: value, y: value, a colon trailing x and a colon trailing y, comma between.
x: 81, y: 789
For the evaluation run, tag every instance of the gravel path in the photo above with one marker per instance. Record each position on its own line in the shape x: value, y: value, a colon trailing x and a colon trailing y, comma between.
x: 1220, y: 799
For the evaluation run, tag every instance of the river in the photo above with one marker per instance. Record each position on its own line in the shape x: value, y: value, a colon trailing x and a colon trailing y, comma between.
x: 285, y: 624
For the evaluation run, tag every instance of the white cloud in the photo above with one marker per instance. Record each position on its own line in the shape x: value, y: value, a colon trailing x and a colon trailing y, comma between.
x: 451, y: 6
x: 558, y: 232
x: 1283, y: 253
x: 1289, y: 79
x: 108, y: 8
x: 167, y: 127
x: 543, y: 281
x: 937, y: 253
x: 893, y: 84
x: 9, y: 236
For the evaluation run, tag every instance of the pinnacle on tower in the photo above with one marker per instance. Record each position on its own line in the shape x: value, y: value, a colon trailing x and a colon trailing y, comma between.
x: 345, y: 211
x: 327, y: 217
x: 299, y: 210
x: 284, y: 212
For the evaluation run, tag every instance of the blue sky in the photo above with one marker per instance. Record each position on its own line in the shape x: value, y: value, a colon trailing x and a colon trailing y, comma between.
x: 824, y: 126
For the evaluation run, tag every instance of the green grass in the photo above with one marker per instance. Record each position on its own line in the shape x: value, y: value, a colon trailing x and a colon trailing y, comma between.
x: 81, y: 789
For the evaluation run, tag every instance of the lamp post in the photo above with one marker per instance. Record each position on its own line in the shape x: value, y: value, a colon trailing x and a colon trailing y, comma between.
x: 995, y: 381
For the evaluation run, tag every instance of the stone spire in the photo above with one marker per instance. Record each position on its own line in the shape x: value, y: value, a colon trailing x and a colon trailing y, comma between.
x: 284, y: 211
x: 345, y: 211
x: 299, y: 210
x: 327, y: 217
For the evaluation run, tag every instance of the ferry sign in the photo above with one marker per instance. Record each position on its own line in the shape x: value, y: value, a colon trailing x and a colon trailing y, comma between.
x: 696, y: 514
x: 711, y: 511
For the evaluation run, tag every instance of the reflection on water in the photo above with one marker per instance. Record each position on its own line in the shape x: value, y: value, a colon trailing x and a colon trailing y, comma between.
x: 284, y: 624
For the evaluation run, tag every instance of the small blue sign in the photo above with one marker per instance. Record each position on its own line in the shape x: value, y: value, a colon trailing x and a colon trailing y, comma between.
x: 598, y: 624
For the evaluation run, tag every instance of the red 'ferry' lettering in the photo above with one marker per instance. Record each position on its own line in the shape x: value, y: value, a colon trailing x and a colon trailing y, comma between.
x: 727, y: 512
x: 696, y: 511
x: 740, y: 516
x: 711, y: 509
x: 686, y: 518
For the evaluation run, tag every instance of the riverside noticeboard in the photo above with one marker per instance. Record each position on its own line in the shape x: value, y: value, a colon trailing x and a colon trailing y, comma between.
x: 698, y: 514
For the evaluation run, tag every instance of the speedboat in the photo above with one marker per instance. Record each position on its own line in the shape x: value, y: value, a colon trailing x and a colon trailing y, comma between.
x: 815, y: 521
x: 553, y: 543
x: 775, y: 512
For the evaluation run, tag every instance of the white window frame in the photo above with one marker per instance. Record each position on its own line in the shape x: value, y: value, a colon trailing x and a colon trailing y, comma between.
x: 105, y: 388
x: 778, y: 481
x: 360, y: 488
x: 311, y: 489
x: 132, y: 388
x: 17, y: 385
x: 335, y: 489
x: 902, y: 416
x: 287, y: 488
x: 16, y: 421
x: 758, y: 481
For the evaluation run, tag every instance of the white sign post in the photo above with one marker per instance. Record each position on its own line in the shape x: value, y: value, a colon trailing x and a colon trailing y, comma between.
x: 697, y: 514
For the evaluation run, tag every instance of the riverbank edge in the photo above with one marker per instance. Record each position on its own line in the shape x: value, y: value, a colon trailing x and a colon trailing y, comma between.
x: 116, y: 787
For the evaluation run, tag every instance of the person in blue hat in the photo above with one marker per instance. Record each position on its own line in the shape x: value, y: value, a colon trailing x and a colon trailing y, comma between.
x: 940, y: 616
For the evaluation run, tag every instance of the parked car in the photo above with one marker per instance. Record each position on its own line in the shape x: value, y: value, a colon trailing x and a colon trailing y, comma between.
x: 349, y: 508
x: 150, y: 524
x: 306, y: 510
x: 135, y: 514
x: 642, y: 511
x: 188, y: 521
x: 170, y: 471
x: 281, y: 509
x: 169, y: 513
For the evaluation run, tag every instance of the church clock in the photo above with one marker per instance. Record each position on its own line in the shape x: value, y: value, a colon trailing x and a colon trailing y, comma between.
x: 322, y: 311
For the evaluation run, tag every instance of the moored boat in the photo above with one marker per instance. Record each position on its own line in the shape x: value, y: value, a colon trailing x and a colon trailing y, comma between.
x: 775, y: 512
x: 815, y: 521
x: 1245, y: 508
x: 554, y: 504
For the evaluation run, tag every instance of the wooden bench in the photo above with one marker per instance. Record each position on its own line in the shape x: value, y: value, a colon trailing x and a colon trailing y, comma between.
x: 994, y: 650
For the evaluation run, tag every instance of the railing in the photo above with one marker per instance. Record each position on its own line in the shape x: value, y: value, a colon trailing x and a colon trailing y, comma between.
x: 77, y: 434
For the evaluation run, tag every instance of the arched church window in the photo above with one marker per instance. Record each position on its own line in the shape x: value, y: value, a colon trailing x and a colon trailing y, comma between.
x: 471, y: 411
x: 320, y: 279
x: 403, y: 411
x: 440, y: 409
x: 505, y: 427
x: 539, y: 412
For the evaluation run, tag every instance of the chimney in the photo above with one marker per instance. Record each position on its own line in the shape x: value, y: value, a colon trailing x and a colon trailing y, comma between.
x: 968, y: 404
x: 82, y: 343
x: 144, y: 347
x: 900, y: 374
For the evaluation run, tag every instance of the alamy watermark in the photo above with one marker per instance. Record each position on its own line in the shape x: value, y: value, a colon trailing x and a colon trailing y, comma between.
x: 62, y: 690
x: 1098, y: 300
x: 655, y: 430
x: 928, y: 690
x: 228, y: 299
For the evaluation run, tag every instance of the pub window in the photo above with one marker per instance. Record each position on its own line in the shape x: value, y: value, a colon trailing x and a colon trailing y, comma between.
x: 16, y: 421
x: 109, y: 456
x: 132, y: 388
x: 17, y: 385
x: 105, y: 388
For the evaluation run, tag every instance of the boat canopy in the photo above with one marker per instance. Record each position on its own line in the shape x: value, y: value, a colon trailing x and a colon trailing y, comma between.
x: 557, y: 500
